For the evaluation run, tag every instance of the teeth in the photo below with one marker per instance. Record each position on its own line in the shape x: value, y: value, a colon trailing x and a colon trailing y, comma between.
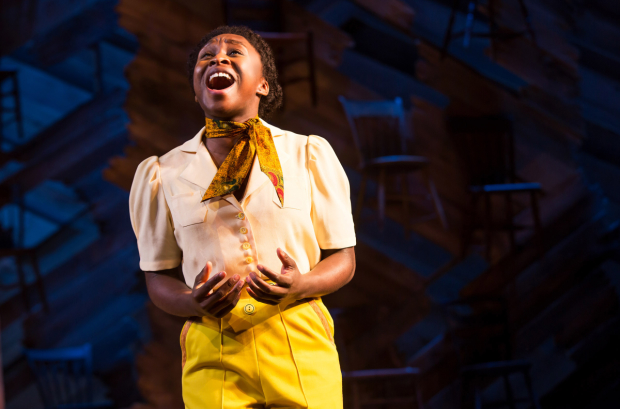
x: 220, y: 74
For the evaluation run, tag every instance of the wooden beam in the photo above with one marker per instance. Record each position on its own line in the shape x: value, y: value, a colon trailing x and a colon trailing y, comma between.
x: 1, y: 372
x: 74, y: 34
x: 394, y: 12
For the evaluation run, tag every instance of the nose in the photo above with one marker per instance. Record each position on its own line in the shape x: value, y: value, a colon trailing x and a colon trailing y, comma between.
x: 219, y: 59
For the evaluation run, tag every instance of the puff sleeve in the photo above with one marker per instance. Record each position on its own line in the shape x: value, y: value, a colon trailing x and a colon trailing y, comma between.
x: 331, y: 202
x: 151, y: 219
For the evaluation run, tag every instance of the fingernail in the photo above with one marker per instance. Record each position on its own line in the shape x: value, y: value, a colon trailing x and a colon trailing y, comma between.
x: 236, y: 277
x: 247, y: 279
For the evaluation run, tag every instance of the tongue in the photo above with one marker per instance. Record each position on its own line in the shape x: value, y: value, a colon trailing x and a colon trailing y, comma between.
x: 220, y: 83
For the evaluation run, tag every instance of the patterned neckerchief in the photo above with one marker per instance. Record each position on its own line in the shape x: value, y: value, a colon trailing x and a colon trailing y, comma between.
x: 255, y: 138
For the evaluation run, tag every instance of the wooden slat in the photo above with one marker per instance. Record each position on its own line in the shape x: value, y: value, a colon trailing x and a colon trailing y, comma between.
x: 394, y: 12
x: 82, y: 30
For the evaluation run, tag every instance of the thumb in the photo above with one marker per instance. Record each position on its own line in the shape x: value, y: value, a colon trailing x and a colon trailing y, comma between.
x: 287, y: 261
x: 204, y: 275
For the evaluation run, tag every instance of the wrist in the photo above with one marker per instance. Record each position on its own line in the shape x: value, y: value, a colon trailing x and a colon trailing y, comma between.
x: 303, y: 290
x: 190, y: 306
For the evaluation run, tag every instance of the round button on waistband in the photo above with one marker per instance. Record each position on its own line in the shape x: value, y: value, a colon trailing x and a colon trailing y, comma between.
x: 246, y: 246
x: 241, y: 216
x: 243, y: 230
x: 249, y: 260
x: 249, y: 309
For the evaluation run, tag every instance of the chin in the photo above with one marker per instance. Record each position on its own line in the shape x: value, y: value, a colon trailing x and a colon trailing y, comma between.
x: 221, y: 109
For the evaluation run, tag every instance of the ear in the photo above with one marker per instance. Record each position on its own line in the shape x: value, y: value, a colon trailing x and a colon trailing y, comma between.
x: 263, y: 88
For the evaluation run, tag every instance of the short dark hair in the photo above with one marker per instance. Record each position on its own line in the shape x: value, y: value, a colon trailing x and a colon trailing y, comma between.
x: 268, y: 103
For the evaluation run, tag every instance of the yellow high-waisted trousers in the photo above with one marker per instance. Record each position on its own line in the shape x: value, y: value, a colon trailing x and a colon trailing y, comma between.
x: 262, y: 356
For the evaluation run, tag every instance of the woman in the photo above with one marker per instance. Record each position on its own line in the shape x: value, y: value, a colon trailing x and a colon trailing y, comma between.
x: 266, y: 209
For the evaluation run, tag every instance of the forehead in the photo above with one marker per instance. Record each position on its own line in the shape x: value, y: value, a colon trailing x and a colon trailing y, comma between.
x: 231, y: 39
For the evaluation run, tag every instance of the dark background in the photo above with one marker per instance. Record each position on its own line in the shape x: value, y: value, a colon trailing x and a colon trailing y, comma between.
x: 101, y: 85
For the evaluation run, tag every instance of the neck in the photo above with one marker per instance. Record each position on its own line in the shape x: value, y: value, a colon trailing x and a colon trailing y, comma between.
x: 219, y: 148
x: 235, y: 118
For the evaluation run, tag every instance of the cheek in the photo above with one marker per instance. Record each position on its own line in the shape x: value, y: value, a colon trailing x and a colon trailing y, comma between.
x: 198, y: 71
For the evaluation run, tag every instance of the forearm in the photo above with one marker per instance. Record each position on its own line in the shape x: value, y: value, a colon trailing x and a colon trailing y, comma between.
x: 169, y: 293
x: 334, y: 271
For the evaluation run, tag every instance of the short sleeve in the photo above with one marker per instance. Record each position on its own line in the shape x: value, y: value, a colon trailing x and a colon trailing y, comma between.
x: 151, y: 219
x: 331, y: 201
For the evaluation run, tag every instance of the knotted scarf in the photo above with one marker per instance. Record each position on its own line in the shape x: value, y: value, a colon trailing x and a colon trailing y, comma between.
x: 255, y: 138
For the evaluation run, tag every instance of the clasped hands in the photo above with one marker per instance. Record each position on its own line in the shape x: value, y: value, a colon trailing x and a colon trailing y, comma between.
x: 288, y: 285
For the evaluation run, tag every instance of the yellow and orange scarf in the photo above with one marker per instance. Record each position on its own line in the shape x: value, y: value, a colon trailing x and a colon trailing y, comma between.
x: 256, y: 139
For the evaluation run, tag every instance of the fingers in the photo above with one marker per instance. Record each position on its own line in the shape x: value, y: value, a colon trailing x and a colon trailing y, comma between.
x: 281, y: 280
x: 202, y: 289
x: 263, y: 300
x: 263, y: 291
x: 224, y: 289
x: 203, y: 275
x: 287, y: 262
x: 258, y: 283
x: 226, y: 304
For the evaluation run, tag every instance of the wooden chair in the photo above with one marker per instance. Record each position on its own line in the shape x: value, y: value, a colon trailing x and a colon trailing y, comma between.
x: 382, y: 139
x: 493, y: 34
x: 486, y: 148
x: 355, y: 379
x: 478, y: 328
x: 10, y: 248
x: 266, y: 18
x: 14, y: 110
x: 359, y: 384
x: 65, y: 377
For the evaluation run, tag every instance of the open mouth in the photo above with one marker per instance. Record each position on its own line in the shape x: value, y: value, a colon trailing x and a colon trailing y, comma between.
x: 220, y: 81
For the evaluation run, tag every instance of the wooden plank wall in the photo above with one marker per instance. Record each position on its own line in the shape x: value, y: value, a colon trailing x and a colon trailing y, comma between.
x: 163, y: 114
x: 548, y: 126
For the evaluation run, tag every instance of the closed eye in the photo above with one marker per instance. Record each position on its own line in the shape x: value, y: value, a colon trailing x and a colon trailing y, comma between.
x: 209, y: 54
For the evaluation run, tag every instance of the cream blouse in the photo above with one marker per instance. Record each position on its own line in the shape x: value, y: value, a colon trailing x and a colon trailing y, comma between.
x: 173, y: 226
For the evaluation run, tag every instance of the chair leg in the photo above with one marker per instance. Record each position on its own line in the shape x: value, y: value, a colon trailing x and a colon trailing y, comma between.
x: 381, y: 198
x: 492, y: 29
x: 405, y: 197
x: 469, y: 22
x: 448, y: 37
x: 468, y: 226
x: 478, y: 396
x: 537, y: 223
x: 360, y: 199
x: 436, y: 201
x: 18, y: 108
x: 356, y: 395
x: 21, y: 274
x: 528, y: 20
x: 40, y: 286
x: 418, y: 394
x: 510, y: 221
x: 536, y: 212
x: 530, y: 389
x: 487, y: 225
x: 509, y: 395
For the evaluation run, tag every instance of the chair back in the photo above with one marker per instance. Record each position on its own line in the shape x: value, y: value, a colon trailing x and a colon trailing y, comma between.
x: 486, y: 148
x: 478, y: 328
x: 379, y: 127
x: 64, y: 375
x: 259, y: 15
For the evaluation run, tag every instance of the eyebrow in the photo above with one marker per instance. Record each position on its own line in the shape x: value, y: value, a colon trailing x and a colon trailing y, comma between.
x: 228, y: 40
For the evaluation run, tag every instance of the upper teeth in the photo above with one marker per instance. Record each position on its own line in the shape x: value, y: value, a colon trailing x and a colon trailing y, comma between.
x: 220, y: 74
